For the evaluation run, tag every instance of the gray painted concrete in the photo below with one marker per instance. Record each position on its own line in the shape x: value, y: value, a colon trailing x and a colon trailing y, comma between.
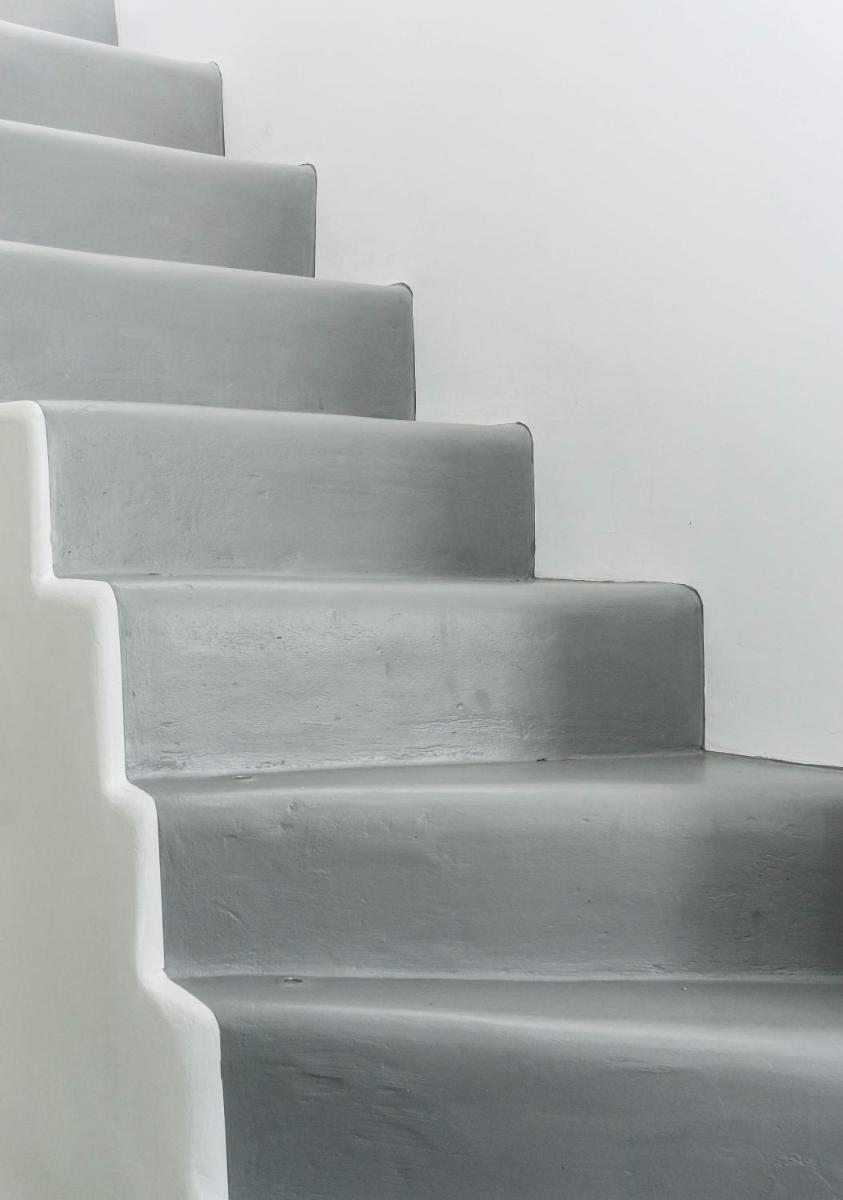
x: 67, y: 83
x: 139, y: 488
x: 120, y: 197
x: 77, y: 326
x: 340, y: 673
x: 267, y: 657
x: 463, y: 1089
x: 685, y: 863
x: 92, y: 19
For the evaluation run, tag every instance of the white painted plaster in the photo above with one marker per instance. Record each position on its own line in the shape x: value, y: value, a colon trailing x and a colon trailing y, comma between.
x: 622, y: 225
x: 109, y: 1073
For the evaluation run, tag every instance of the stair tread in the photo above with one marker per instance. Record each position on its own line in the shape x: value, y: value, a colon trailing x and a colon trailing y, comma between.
x: 704, y: 772
x: 71, y: 83
x: 88, y: 192
x: 757, y: 1008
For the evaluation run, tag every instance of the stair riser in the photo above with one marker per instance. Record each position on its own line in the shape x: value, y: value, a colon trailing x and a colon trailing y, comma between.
x: 92, y: 19
x: 509, y: 882
x: 169, y: 490
x: 418, y: 1105
x: 229, y: 678
x: 67, y: 83
x: 91, y: 327
x: 86, y: 193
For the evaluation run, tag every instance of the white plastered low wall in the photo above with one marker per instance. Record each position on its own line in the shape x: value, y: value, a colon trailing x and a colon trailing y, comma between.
x: 110, y: 1082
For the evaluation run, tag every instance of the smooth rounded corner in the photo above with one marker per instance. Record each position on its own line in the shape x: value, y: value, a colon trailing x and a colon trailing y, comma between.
x: 531, y: 440
x: 401, y: 284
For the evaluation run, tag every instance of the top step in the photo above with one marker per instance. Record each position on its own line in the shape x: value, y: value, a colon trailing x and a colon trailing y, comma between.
x: 91, y: 19
x: 66, y: 83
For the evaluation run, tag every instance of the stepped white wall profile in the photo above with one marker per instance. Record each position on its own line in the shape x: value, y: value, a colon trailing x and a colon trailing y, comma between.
x: 621, y: 221
x: 110, y: 1078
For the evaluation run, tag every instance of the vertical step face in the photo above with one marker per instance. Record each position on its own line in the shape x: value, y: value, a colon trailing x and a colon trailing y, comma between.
x: 648, y: 865
x: 235, y: 676
x: 469, y: 1089
x: 91, y: 19
x: 66, y: 83
x: 171, y: 489
x: 78, y: 191
x: 96, y: 327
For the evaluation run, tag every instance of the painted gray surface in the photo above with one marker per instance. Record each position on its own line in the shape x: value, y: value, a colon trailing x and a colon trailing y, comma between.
x: 236, y: 675
x: 92, y: 19
x: 97, y: 327
x: 169, y: 489
x: 47, y: 79
x: 411, y: 1089
x: 647, y: 865
x: 83, y: 192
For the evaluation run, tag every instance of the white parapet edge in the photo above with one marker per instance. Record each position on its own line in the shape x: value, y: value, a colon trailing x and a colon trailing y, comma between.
x: 110, y: 1085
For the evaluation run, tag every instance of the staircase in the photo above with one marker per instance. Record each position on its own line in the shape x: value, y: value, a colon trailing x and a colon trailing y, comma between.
x: 475, y: 915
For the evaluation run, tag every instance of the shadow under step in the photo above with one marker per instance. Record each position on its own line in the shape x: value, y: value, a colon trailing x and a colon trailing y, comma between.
x: 346, y: 1089
x: 167, y: 489
x: 77, y: 326
x: 68, y: 83
x: 686, y: 863
x: 77, y: 191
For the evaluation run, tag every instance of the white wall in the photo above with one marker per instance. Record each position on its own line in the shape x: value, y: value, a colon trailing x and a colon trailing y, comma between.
x: 110, y: 1083
x: 623, y: 223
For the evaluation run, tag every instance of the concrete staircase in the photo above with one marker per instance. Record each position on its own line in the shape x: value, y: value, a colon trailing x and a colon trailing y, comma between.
x: 477, y: 916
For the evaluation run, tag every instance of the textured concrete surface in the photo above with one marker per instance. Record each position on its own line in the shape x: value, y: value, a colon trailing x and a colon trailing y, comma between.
x: 240, y: 675
x: 594, y: 1091
x: 167, y: 489
x: 308, y: 611
x: 684, y: 863
x: 91, y: 19
x: 67, y: 83
x: 134, y: 329
x: 120, y: 197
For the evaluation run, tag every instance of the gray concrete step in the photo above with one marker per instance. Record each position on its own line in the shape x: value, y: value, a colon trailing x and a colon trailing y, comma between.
x: 99, y: 327
x: 457, y: 1089
x: 91, y: 19
x: 171, y: 489
x: 229, y: 676
x: 78, y: 191
x: 67, y: 83
x: 695, y: 863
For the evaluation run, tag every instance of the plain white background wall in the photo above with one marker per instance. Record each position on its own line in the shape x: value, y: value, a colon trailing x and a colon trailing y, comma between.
x: 622, y: 223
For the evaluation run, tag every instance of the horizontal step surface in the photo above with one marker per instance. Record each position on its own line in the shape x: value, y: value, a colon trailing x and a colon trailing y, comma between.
x: 82, y: 192
x: 92, y: 19
x: 98, y: 327
x: 350, y: 1089
x: 230, y: 676
x: 703, y: 864
x: 67, y: 83
x: 166, y: 489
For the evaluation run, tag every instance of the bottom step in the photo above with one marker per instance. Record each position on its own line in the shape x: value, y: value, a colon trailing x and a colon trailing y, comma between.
x: 356, y: 1089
